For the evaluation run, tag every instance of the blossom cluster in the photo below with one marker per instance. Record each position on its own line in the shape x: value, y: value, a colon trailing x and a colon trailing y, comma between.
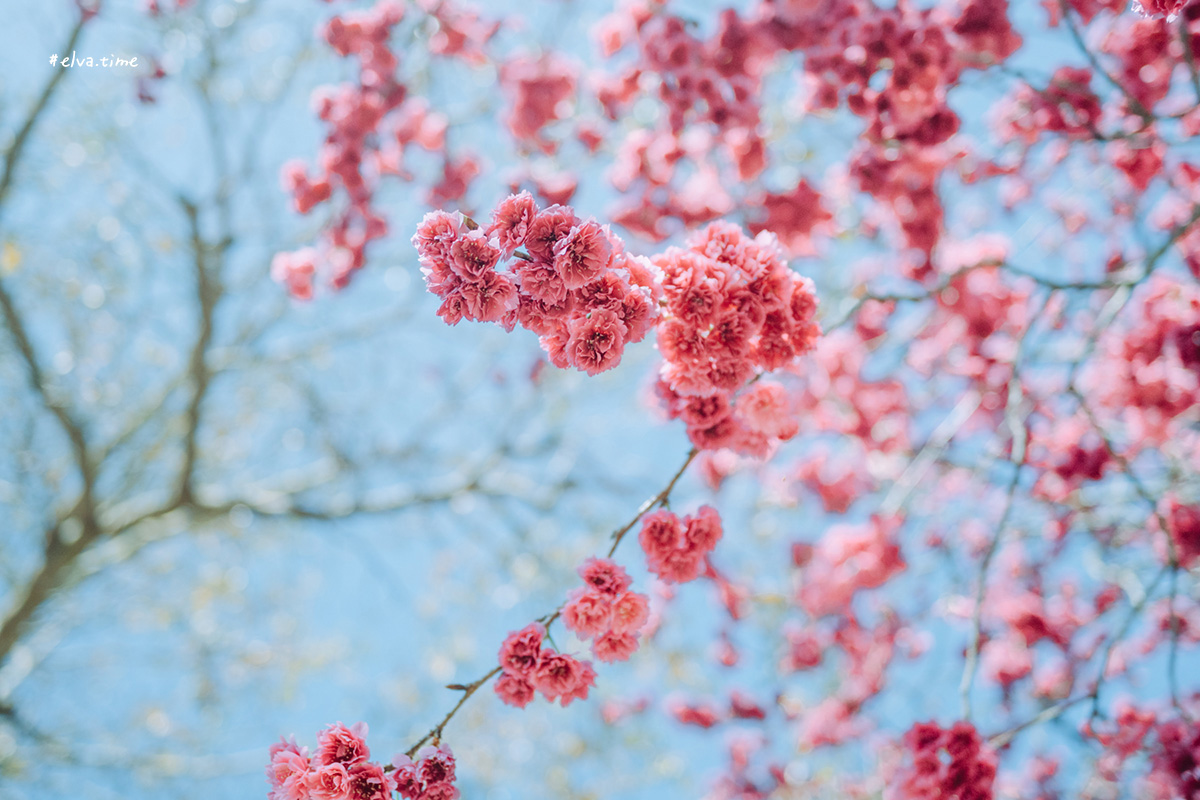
x: 573, y: 284
x: 948, y: 763
x: 1183, y: 525
x: 527, y: 666
x: 676, y: 549
x: 371, y: 123
x: 1176, y: 763
x: 732, y: 308
x: 847, y: 559
x: 541, y: 89
x: 430, y: 777
x: 892, y: 67
x: 606, y: 610
x: 339, y: 770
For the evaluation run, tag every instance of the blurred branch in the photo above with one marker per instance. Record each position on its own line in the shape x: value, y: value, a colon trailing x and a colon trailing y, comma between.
x: 208, y: 293
x: 1015, y: 421
x: 662, y: 498
x: 80, y: 524
x: 13, y: 156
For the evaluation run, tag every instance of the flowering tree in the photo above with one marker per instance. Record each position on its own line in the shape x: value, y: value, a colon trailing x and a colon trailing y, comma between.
x: 876, y: 325
x: 995, y: 333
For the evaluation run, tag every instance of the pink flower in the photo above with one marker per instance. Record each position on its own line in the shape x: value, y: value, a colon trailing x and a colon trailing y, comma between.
x: 539, y: 317
x: 700, y: 715
x: 614, y: 646
x: 329, y: 782
x: 521, y: 652
x: 368, y: 782
x: 682, y: 344
x: 440, y: 791
x: 743, y: 707
x: 288, y: 772
x: 548, y: 227
x: 540, y: 88
x: 703, y: 531
x: 540, y: 281
x: 585, y: 680
x: 725, y: 433
x: 338, y: 744
x: 555, y: 343
x: 630, y: 612
x: 490, y: 298
x: 605, y: 576
x: 1184, y: 527
x: 678, y: 566
x: 511, y: 221
x: 588, y: 614
x: 514, y: 690
x: 607, y: 291
x: 731, y: 332
x: 697, y: 302
x: 764, y: 408
x: 660, y: 533
x: 704, y: 412
x: 405, y: 777
x: 729, y: 373
x: 435, y: 236
x: 288, y: 745
x: 453, y: 307
x: 639, y: 314
x: 472, y: 256
x: 296, y: 271
x: 774, y: 346
x: 560, y: 677
x: 803, y: 308
x: 436, y: 764
x: 597, y: 341
x: 582, y: 254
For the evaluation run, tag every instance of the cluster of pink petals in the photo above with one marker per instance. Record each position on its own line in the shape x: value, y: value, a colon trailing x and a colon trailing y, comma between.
x: 950, y: 763
x: 296, y: 270
x: 1149, y: 374
x: 338, y: 771
x: 1183, y: 526
x: 1176, y: 761
x: 527, y: 667
x: 733, y: 310
x: 541, y: 90
x: 572, y: 284
x: 704, y: 714
x: 849, y: 558
x: 370, y: 123
x: 606, y: 610
x: 430, y: 777
x: 892, y: 66
x: 709, y: 92
x: 460, y: 31
x: 1067, y: 106
x: 676, y: 549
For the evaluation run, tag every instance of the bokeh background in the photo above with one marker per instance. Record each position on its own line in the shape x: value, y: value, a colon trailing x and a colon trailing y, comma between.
x: 328, y: 510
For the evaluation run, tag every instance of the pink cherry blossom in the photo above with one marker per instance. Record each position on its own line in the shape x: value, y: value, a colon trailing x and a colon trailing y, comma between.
x: 588, y: 614
x: 329, y: 782
x: 613, y: 646
x: 514, y: 690
x: 630, y: 612
x: 338, y: 744
x: 511, y: 221
x: 605, y: 576
x: 521, y: 653
x: 582, y: 254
